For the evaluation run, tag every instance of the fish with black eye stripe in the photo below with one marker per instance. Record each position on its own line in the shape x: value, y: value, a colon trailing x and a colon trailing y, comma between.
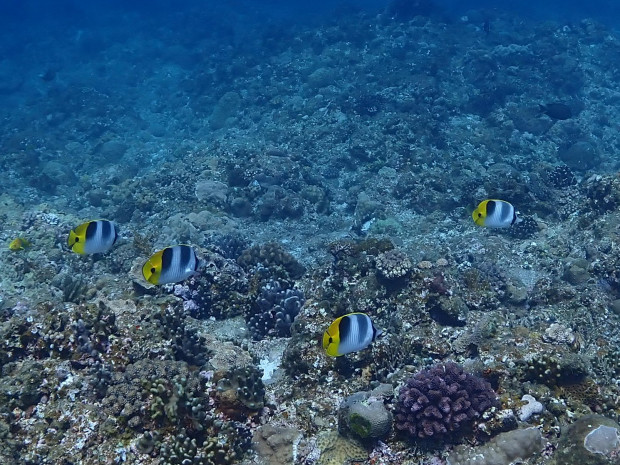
x: 495, y: 213
x: 96, y: 236
x: 171, y: 265
x: 349, y: 333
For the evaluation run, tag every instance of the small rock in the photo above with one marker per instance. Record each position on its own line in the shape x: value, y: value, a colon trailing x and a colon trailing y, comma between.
x: 584, y: 442
x: 111, y: 151
x: 615, y: 306
x: 576, y: 275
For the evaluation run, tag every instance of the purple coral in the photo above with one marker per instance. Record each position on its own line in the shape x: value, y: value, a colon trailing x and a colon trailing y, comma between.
x: 441, y: 400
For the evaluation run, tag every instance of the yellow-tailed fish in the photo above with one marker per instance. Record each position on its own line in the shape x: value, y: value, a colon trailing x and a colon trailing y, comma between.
x: 494, y: 213
x: 97, y: 236
x: 171, y: 265
x: 19, y: 243
x: 349, y: 333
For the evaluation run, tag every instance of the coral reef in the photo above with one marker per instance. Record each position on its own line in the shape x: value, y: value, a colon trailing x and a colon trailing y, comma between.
x: 225, y: 449
x: 241, y: 387
x: 588, y: 440
x: 441, y: 402
x: 556, y: 370
x: 221, y: 290
x: 561, y: 177
x: 526, y: 228
x: 336, y: 449
x: 393, y: 264
x: 532, y: 407
x: 276, y: 444
x: 364, y: 414
x: 274, y: 310
x: 271, y: 257
x: 186, y: 343
x: 318, y: 168
x: 504, y: 449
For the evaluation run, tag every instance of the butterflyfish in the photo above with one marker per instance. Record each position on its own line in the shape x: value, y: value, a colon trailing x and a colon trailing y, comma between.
x: 171, y: 265
x: 97, y: 236
x: 349, y: 333
x: 495, y: 214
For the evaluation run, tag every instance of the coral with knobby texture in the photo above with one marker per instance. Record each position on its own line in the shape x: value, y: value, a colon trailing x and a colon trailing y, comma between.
x: 186, y: 343
x: 525, y: 228
x: 393, y: 264
x: 273, y: 258
x: 221, y: 290
x: 241, y: 389
x: 274, y: 311
x: 561, y: 177
x: 442, y: 401
x: 603, y: 193
x: 557, y: 369
x: 224, y: 448
x: 228, y: 245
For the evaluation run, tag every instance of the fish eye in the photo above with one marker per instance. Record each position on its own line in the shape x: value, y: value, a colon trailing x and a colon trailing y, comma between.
x: 331, y: 340
x: 77, y: 239
x: 153, y: 270
x: 479, y: 215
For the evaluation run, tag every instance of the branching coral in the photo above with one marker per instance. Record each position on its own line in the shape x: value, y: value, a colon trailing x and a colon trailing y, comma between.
x: 442, y: 401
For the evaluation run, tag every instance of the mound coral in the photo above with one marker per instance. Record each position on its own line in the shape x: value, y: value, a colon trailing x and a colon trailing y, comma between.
x: 274, y: 310
x: 441, y: 401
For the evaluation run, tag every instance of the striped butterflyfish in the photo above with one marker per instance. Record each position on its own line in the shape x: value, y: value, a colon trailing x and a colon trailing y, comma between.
x: 349, y: 333
x: 494, y: 214
x: 97, y: 236
x: 171, y: 265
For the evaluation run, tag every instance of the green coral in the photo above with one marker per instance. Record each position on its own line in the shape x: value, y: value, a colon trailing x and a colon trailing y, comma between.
x: 364, y: 414
x: 360, y: 425
x: 183, y: 450
x: 200, y: 438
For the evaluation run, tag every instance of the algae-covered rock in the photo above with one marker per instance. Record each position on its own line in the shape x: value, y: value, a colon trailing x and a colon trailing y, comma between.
x: 365, y: 416
x: 615, y: 306
x: 576, y: 272
x: 20, y: 387
x: 592, y: 440
x: 59, y: 173
x: 227, y: 107
x: 111, y: 151
x: 581, y: 155
x: 505, y: 449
